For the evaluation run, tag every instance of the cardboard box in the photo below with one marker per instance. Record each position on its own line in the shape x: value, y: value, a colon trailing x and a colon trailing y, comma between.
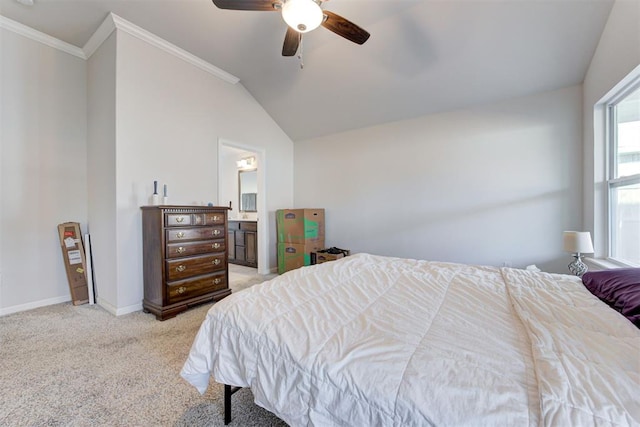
x: 74, y: 261
x: 319, y: 257
x: 295, y: 255
x: 300, y: 225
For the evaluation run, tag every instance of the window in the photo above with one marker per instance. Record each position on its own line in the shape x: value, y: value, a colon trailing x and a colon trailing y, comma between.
x: 623, y: 177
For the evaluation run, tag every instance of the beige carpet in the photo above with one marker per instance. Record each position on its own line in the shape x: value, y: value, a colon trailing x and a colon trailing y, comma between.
x: 66, y: 365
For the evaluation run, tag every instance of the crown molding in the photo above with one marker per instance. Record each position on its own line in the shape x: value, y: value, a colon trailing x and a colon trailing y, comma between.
x: 113, y: 22
x: 40, y: 37
x: 99, y: 36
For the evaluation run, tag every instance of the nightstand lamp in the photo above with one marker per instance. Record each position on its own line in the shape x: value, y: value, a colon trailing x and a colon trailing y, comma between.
x: 577, y: 243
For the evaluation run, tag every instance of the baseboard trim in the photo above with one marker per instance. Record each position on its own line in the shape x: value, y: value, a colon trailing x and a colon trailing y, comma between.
x: 129, y: 309
x: 34, y: 304
x: 58, y: 300
x: 119, y: 311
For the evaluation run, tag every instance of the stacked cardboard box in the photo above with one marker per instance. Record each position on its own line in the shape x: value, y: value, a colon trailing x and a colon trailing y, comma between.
x: 300, y: 232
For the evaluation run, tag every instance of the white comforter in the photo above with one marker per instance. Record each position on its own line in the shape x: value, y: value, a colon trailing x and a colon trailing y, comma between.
x: 378, y: 341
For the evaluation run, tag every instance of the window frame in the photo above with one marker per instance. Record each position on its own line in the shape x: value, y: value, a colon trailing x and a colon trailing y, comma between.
x: 612, y: 182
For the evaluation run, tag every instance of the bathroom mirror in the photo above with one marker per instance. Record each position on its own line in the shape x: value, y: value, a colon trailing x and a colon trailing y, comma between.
x: 248, y: 190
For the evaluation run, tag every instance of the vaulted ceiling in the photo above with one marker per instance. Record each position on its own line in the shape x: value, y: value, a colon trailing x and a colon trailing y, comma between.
x: 423, y: 57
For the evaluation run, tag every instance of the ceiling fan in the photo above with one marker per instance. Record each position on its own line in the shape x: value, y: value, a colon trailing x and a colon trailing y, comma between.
x: 301, y: 17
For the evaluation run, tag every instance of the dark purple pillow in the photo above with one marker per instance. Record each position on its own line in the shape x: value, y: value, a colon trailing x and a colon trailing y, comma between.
x: 619, y: 288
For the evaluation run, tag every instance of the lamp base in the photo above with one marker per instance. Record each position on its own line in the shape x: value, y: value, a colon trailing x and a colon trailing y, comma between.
x: 577, y: 267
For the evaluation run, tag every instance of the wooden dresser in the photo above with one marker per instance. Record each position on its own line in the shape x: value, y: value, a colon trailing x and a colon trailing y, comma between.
x: 184, y: 257
x: 243, y: 243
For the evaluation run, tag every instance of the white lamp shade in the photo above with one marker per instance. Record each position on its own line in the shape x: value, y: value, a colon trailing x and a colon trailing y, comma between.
x: 577, y: 242
x: 302, y: 15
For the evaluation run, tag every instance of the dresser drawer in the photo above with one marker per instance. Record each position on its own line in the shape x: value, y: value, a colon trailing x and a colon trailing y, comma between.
x: 185, y: 289
x: 212, y: 218
x: 181, y: 268
x: 175, y: 250
x: 175, y: 235
x: 174, y: 220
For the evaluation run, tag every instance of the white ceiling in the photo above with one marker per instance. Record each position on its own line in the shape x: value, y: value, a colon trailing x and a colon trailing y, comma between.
x: 423, y: 57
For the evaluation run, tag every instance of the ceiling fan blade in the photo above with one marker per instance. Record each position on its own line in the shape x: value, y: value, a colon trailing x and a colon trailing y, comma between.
x: 344, y: 28
x: 263, y: 5
x: 291, y: 42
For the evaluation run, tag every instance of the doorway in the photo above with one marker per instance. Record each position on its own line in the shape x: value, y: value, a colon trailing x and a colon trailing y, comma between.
x: 233, y: 158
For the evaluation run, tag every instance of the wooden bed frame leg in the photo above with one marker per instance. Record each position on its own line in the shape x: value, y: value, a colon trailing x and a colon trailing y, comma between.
x: 228, y: 391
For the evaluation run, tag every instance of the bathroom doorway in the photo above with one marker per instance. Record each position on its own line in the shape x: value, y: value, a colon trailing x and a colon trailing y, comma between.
x: 247, y: 199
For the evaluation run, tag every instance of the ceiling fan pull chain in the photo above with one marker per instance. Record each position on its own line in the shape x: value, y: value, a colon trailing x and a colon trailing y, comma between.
x: 300, y: 52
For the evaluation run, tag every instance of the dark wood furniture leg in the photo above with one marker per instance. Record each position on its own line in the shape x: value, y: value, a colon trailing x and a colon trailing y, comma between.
x: 228, y: 391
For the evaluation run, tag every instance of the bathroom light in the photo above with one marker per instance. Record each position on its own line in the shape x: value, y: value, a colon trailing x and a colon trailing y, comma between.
x: 302, y: 15
x: 577, y: 243
x: 247, y: 162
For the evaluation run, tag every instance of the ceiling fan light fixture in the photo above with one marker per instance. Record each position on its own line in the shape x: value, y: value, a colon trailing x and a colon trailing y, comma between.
x: 302, y: 15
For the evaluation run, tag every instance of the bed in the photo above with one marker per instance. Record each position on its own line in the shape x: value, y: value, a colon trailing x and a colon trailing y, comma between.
x: 380, y: 341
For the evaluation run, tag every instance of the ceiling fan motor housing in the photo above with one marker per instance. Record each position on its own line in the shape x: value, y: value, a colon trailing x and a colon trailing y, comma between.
x: 302, y: 15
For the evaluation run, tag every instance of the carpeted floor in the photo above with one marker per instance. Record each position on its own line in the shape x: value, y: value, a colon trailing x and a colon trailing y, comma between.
x: 66, y: 365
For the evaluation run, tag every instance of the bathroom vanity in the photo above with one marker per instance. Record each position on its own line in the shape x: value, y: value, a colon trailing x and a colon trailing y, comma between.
x: 243, y: 242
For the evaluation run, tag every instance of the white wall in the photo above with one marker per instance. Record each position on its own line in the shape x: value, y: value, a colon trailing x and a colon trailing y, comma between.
x: 169, y: 117
x: 132, y: 113
x: 617, y: 55
x: 101, y: 161
x: 43, y: 169
x: 490, y: 185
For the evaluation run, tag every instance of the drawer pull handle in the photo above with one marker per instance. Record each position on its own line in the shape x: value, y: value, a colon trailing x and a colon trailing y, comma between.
x: 215, y: 218
x: 198, y: 220
x: 181, y: 290
x: 180, y: 235
x: 216, y: 261
x: 216, y: 246
x: 179, y: 219
x: 181, y: 250
x: 181, y: 268
x: 216, y: 232
x: 217, y: 281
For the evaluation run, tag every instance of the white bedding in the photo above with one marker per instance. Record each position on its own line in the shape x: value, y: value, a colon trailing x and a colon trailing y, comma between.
x: 379, y: 341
